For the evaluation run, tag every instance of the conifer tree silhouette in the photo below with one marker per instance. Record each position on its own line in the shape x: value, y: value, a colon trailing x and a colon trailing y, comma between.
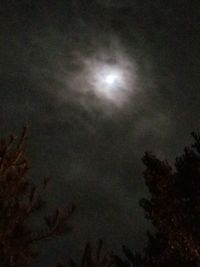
x: 173, y: 209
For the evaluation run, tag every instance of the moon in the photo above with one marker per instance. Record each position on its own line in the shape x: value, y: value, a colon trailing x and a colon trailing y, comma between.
x: 108, y: 81
x: 109, y: 77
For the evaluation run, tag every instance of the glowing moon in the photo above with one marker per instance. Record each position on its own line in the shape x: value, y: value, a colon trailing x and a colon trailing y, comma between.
x: 108, y: 81
x: 111, y: 78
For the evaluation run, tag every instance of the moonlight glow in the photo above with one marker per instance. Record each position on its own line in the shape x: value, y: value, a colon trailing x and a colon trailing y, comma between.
x: 109, y: 81
x: 109, y: 78
x: 106, y: 79
x: 112, y: 79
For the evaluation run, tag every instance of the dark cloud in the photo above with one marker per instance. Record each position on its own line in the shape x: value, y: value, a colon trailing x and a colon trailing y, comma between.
x: 94, y: 156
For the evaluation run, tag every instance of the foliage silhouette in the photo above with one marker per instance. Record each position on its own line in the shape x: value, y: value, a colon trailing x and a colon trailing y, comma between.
x: 94, y: 257
x: 173, y: 209
x: 19, y: 200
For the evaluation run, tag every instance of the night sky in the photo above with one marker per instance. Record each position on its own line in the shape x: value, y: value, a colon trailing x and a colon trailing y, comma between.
x: 100, y: 82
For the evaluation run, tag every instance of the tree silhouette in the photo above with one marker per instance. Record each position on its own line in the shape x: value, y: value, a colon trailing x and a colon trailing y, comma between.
x: 19, y: 200
x: 93, y: 257
x: 173, y: 209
